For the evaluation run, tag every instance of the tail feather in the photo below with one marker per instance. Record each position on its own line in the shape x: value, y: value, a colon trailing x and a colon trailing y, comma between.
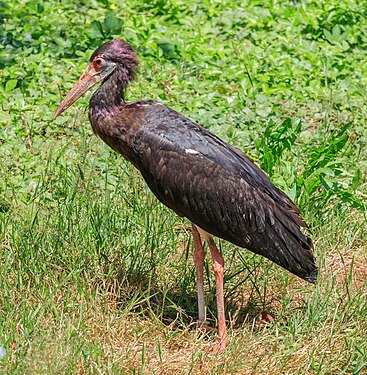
x: 286, y: 245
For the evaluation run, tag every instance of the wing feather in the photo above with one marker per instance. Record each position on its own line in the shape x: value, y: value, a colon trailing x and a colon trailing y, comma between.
x: 221, y: 190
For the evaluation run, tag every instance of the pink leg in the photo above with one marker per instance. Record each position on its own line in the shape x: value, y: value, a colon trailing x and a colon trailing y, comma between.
x: 199, y: 266
x: 218, y: 267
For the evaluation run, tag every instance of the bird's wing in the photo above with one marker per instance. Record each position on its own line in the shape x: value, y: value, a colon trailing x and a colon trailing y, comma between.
x: 218, y: 188
x: 173, y: 140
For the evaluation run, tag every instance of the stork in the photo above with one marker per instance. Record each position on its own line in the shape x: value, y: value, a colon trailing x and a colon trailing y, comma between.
x: 196, y: 174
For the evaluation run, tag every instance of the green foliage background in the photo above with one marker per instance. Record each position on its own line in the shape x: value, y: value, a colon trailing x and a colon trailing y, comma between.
x: 284, y: 81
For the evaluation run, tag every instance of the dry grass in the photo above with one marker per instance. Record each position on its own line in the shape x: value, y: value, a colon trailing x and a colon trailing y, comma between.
x: 107, y: 335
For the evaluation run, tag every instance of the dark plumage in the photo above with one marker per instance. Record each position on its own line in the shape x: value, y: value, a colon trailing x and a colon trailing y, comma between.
x: 191, y: 171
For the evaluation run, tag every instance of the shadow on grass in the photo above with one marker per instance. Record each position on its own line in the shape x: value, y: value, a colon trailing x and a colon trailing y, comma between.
x: 140, y: 293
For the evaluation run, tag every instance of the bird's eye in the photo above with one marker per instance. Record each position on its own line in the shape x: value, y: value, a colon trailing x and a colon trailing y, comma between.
x: 98, y: 63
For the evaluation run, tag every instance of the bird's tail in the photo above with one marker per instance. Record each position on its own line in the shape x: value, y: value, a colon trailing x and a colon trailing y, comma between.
x: 284, y: 243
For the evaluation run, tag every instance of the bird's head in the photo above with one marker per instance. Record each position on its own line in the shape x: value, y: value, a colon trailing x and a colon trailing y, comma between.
x: 113, y: 55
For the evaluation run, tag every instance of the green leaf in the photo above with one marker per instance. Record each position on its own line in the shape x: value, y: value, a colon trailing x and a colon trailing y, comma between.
x: 278, y: 138
x: 112, y: 24
x: 95, y: 30
x: 10, y: 85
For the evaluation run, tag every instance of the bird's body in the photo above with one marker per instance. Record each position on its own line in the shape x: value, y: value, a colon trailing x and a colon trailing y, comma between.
x: 204, y: 179
x: 193, y: 172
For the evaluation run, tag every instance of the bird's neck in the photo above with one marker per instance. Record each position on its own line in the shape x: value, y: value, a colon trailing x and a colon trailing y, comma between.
x: 111, y: 94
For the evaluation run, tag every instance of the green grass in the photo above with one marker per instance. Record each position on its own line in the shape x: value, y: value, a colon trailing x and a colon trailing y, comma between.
x: 96, y: 276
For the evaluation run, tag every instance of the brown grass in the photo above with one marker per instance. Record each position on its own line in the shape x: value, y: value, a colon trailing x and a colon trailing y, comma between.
x: 98, y: 333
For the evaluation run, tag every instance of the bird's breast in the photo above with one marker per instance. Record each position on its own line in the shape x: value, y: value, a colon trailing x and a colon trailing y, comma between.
x: 117, y: 132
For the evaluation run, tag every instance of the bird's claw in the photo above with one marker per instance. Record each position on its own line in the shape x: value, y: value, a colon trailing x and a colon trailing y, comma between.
x: 204, y: 327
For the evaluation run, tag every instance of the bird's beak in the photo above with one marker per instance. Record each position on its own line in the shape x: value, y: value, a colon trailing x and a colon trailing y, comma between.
x: 88, y: 79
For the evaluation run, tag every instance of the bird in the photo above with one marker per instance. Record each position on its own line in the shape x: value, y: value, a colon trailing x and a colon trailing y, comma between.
x: 221, y: 191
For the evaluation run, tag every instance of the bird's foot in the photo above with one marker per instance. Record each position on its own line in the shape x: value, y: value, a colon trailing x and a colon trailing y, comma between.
x: 221, y: 344
x: 204, y: 327
x: 218, y: 347
x: 265, y: 318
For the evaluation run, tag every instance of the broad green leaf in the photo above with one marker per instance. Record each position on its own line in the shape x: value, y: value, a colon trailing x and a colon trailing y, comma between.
x: 112, y: 24
x: 10, y: 85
